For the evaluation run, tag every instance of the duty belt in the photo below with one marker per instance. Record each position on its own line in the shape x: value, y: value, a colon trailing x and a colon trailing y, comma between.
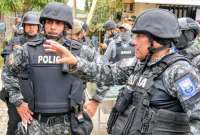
x: 52, y: 119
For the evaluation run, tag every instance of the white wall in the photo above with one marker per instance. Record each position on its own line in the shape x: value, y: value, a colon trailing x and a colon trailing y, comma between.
x: 174, y: 2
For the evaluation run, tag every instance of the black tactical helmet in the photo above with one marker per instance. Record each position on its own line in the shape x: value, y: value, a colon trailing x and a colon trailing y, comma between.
x: 158, y: 22
x: 109, y: 25
x: 187, y: 23
x: 189, y: 31
x: 57, y: 11
x: 30, y: 18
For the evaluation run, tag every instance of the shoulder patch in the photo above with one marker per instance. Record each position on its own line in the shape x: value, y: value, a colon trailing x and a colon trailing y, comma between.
x: 186, y: 87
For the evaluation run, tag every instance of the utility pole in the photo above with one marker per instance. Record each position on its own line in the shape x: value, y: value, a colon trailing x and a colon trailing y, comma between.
x: 91, y: 13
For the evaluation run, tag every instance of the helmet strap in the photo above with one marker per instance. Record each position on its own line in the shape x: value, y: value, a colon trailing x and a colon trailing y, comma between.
x: 153, y: 50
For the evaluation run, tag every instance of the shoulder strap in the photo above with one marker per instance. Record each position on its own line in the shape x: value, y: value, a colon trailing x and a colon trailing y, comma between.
x: 168, y: 61
x: 174, y: 57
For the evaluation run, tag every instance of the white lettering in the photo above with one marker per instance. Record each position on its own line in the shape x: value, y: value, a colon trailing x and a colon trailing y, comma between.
x: 47, y: 59
x: 39, y: 59
x: 141, y: 82
x: 125, y: 52
x: 50, y: 60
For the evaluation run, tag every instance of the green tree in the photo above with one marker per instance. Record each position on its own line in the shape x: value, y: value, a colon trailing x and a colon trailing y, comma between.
x: 106, y: 9
x: 7, y: 6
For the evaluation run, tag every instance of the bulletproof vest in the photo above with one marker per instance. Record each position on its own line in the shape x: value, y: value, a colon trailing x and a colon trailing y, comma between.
x: 51, y: 87
x: 145, y: 107
x: 123, y: 52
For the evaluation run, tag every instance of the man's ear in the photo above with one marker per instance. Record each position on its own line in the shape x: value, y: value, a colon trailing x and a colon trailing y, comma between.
x: 156, y: 44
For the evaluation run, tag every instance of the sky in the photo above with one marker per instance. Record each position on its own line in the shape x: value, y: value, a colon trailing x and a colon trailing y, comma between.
x: 79, y: 3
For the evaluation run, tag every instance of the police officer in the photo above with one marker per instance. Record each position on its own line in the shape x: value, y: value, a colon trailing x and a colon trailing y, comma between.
x: 162, y: 93
x: 17, y: 28
x: 125, y: 33
x: 31, y: 27
x: 120, y: 48
x: 189, y: 32
x: 85, y: 39
x: 58, y: 96
x: 78, y: 33
x: 74, y: 42
x: 110, y: 26
x: 120, y: 51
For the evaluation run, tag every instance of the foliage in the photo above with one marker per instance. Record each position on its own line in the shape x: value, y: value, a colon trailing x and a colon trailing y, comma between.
x: 88, y: 4
x: 7, y: 6
x: 106, y: 9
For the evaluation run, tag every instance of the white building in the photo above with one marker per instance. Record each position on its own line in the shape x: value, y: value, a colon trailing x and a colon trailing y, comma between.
x: 182, y: 8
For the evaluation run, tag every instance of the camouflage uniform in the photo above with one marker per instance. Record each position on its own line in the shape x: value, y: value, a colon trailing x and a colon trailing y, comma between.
x: 187, y: 45
x: 196, y: 42
x: 123, y: 39
x: 11, y: 82
x: 116, y: 74
x: 109, y: 25
x: 55, y: 120
x: 107, y: 39
x: 37, y: 128
x: 193, y: 53
x: 12, y: 113
x: 89, y: 53
x: 173, y: 90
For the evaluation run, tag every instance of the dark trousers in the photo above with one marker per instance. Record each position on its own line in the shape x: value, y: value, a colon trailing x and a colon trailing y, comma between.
x: 13, y: 119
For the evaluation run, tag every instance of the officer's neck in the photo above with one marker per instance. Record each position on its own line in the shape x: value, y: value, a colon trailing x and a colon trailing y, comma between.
x: 156, y: 56
x: 30, y: 37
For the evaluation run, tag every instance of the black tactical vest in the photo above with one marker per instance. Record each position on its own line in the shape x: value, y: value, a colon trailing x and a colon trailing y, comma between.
x: 51, y: 87
x: 148, y: 108
x: 123, y: 52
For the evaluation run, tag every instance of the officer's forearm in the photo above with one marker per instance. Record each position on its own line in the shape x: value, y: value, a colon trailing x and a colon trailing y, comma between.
x: 108, y: 74
x: 99, y: 72
x: 15, y: 97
